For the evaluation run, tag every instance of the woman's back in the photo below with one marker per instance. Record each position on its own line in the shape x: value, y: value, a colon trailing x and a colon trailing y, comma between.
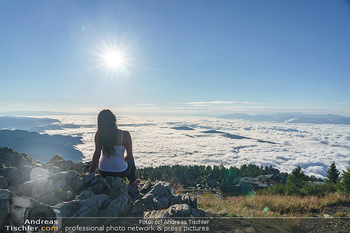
x: 114, y: 162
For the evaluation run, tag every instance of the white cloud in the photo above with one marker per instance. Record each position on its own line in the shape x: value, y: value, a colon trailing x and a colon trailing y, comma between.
x: 219, y: 102
x: 155, y: 142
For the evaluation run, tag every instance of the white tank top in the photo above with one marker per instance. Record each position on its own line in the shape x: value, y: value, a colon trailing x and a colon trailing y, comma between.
x: 115, y: 162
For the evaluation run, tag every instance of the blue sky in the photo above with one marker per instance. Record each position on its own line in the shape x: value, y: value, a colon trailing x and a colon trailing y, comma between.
x: 180, y: 57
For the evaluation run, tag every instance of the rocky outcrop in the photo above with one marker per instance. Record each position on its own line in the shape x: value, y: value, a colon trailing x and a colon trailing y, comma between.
x: 66, y: 186
x: 12, y: 158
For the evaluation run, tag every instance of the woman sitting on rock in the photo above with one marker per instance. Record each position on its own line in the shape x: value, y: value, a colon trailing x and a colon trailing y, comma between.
x: 113, y: 142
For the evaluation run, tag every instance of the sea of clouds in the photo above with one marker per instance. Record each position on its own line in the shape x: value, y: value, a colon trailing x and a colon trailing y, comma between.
x: 208, y: 141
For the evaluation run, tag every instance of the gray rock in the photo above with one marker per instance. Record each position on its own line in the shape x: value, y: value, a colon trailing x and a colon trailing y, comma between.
x: 66, y: 165
x: 197, y: 213
x: 87, y: 193
x: 66, y: 194
x: 174, y: 211
x: 55, y: 159
x: 100, y: 185
x: 50, y: 199
x: 12, y: 158
x: 25, y: 173
x: 77, y: 184
x: 146, y: 187
x: 117, y: 207
x: 156, y: 214
x: 59, y: 184
x: 3, y: 183
x: 179, y: 210
x: 161, y: 202
x: 68, y: 209
x: 10, y: 174
x: 148, y: 202
x: 71, y: 178
x: 161, y: 189
x: 138, y: 208
x: 88, y: 178
x: 175, y: 199
x: 4, y: 195
x: 191, y: 201
x: 91, y: 206
x: 34, y: 188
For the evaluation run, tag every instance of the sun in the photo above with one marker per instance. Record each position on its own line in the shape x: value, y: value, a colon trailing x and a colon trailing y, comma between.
x: 114, y: 60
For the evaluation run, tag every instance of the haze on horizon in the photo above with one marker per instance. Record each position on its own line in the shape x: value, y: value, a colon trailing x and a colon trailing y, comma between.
x: 175, y: 57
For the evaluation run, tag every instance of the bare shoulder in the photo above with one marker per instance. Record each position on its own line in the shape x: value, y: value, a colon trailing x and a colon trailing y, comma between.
x: 126, y: 134
x: 97, y: 137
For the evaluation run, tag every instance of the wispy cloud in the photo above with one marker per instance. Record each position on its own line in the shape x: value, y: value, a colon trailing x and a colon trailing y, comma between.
x: 219, y: 102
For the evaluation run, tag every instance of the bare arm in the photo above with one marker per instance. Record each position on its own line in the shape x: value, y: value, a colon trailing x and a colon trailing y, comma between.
x: 97, y: 154
x: 128, y: 146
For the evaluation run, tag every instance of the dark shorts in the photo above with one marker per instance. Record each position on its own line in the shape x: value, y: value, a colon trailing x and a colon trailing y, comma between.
x: 130, y: 172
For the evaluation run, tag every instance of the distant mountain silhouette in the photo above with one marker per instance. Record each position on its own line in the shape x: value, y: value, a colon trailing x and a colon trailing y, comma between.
x: 33, y: 124
x: 292, y: 118
x: 41, y: 146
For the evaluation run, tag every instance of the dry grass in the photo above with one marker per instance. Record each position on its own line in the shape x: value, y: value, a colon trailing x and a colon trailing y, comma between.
x: 270, y: 205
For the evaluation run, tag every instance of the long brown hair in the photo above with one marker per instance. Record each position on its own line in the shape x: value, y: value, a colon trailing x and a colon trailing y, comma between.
x: 107, y: 130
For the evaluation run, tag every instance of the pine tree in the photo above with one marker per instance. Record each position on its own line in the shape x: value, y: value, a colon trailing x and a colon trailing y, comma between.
x: 295, y: 181
x: 332, y: 174
x: 345, y: 180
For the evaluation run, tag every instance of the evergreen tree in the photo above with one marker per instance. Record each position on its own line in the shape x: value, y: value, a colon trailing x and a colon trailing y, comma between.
x: 295, y: 181
x: 332, y: 174
x: 345, y: 180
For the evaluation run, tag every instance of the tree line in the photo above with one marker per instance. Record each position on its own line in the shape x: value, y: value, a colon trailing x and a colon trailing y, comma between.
x: 200, y: 174
x: 297, y: 184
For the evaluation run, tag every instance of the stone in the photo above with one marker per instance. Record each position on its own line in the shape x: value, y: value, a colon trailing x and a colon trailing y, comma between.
x: 138, y: 208
x: 68, y: 209
x: 117, y: 207
x: 147, y: 201
x: 161, y: 202
x: 180, y: 210
x: 87, y: 193
x: 91, y: 206
x: 65, y: 194
x: 55, y: 159
x: 88, y: 178
x: 11, y: 174
x: 12, y: 158
x: 50, y: 199
x: 146, y: 187
x: 67, y: 165
x: 156, y: 214
x: 197, y: 213
x: 161, y: 189
x: 186, y: 199
x: 175, y: 199
x: 99, y: 186
x: 3, y: 183
x: 77, y: 184
x: 4, y: 195
x: 34, y: 188
x: 24, y: 172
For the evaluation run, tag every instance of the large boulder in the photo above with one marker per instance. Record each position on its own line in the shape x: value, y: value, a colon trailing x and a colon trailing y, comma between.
x: 146, y: 187
x: 55, y: 159
x: 34, y: 188
x: 11, y: 174
x: 4, y: 195
x: 179, y: 210
x: 3, y: 183
x: 12, y: 158
x: 66, y: 165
